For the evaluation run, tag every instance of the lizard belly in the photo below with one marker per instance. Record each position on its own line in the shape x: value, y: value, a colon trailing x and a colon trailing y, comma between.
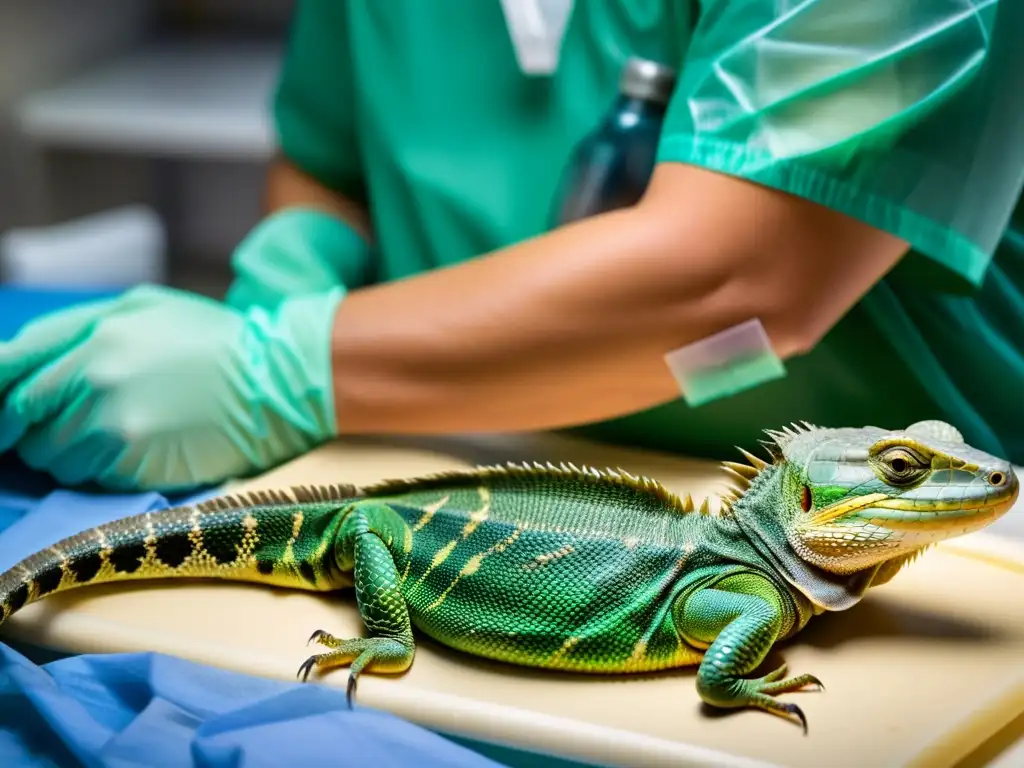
x: 548, y: 598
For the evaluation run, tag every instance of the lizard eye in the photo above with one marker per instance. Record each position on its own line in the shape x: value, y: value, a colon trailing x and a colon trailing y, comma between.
x: 901, y: 466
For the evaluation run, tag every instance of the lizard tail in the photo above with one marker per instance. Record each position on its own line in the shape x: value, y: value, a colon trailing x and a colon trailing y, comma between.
x: 281, y: 538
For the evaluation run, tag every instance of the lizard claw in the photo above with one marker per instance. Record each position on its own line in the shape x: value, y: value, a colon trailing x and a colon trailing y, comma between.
x: 772, y: 685
x: 316, y: 636
x: 796, y: 712
x: 305, y: 668
x: 782, y: 708
x: 762, y: 692
x: 350, y: 689
x: 383, y: 653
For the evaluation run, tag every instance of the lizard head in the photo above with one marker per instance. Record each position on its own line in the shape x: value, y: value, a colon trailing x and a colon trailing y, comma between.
x: 855, y: 498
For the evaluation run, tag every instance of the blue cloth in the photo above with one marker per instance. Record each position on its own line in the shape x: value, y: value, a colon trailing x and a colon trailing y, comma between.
x: 19, y: 305
x: 148, y: 709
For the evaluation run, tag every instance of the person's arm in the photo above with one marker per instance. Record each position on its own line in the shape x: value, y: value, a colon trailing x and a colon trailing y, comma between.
x: 317, y: 165
x: 571, y: 326
x: 783, y: 193
x: 288, y: 186
x: 315, y: 234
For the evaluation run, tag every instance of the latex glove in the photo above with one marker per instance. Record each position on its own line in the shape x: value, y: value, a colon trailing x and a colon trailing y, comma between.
x: 296, y: 251
x: 164, y: 390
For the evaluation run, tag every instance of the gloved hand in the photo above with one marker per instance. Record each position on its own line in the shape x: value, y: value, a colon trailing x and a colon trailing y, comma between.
x: 297, y: 251
x: 166, y: 391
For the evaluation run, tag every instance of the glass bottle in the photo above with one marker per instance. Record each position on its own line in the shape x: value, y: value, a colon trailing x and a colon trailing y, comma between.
x: 611, y: 165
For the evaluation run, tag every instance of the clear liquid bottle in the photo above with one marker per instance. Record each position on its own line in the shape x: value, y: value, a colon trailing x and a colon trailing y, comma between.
x: 612, y: 165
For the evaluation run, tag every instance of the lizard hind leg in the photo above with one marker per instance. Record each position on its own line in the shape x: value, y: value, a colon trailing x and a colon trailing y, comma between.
x: 366, y: 544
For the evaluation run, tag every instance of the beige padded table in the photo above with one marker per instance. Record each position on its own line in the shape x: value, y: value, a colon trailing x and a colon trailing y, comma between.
x: 927, y: 671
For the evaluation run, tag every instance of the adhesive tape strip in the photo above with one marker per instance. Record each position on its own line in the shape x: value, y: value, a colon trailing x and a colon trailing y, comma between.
x: 731, y: 361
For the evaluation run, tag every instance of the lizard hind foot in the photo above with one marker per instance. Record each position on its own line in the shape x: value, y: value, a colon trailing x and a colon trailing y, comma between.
x: 760, y: 693
x: 373, y: 654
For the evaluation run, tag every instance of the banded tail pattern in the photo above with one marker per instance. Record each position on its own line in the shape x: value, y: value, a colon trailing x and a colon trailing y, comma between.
x: 282, y: 538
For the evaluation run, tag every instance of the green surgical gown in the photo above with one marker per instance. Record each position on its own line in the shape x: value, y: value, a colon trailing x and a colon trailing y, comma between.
x: 908, y: 116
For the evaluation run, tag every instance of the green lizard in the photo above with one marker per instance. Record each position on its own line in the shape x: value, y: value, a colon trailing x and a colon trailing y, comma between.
x: 572, y: 568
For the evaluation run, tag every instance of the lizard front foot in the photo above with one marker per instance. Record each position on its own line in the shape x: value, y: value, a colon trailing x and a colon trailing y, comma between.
x: 376, y: 654
x: 759, y: 692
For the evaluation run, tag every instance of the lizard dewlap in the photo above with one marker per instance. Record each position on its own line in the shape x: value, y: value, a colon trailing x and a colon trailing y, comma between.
x: 575, y: 568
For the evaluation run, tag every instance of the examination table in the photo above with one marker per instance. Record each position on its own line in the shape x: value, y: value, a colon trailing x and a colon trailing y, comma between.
x: 927, y: 671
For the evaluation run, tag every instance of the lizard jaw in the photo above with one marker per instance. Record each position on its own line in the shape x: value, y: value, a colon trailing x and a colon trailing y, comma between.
x: 864, y: 530
x: 968, y: 513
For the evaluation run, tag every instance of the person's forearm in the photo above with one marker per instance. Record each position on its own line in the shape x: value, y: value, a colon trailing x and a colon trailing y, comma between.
x: 288, y: 187
x: 573, y: 326
x: 541, y: 335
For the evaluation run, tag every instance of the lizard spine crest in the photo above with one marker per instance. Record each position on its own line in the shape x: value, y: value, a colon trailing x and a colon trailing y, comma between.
x: 741, y: 476
x: 296, y: 494
x: 538, y: 470
x: 780, y: 438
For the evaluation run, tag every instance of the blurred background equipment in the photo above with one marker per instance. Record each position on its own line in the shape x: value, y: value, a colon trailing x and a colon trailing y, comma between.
x: 153, y: 115
x: 110, y: 250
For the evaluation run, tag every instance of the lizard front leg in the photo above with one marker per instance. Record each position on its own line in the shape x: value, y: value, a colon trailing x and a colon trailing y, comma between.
x: 740, y: 628
x: 364, y: 544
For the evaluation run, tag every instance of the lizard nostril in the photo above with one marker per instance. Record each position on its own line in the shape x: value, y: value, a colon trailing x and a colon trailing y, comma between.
x: 997, y: 478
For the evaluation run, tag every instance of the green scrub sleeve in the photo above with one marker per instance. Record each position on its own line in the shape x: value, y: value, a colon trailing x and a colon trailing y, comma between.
x: 905, y: 116
x: 313, y: 102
